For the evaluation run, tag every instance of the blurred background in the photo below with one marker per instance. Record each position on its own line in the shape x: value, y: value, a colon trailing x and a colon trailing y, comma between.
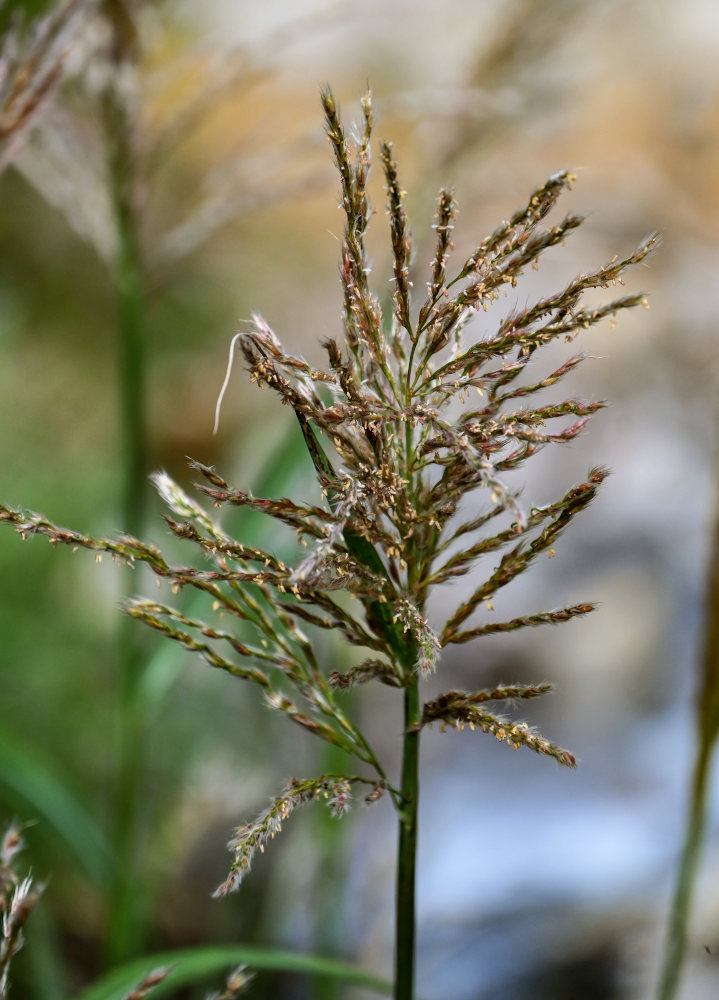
x: 177, y: 179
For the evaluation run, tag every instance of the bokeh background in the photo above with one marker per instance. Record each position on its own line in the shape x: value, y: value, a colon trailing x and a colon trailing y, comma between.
x: 534, y: 882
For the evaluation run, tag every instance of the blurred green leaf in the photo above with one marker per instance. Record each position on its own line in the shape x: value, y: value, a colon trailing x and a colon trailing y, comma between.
x: 30, y: 778
x: 192, y: 965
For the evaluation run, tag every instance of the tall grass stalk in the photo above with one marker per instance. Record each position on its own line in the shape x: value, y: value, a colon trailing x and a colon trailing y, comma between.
x: 32, y: 65
x: 125, y: 928
x: 405, y: 911
x: 410, y: 420
x: 707, y: 729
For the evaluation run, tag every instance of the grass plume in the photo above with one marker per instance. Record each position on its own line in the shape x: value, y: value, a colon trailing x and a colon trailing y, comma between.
x: 413, y: 415
x: 18, y: 897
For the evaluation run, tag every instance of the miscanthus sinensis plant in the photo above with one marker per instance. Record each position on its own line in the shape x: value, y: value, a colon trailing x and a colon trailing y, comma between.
x: 410, y: 417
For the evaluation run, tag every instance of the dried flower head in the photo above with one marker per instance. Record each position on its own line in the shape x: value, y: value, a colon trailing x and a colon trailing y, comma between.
x: 18, y: 897
x: 413, y: 414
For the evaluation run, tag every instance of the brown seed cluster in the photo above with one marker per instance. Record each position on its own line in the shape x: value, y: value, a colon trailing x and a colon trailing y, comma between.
x: 411, y: 431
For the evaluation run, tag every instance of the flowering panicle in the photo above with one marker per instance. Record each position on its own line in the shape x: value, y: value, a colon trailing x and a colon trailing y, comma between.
x: 411, y: 430
x: 17, y: 901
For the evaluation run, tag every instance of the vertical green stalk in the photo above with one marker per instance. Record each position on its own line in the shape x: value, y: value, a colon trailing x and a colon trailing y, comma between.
x: 407, y: 847
x: 707, y: 729
x: 405, y: 910
x: 131, y: 357
x: 675, y: 949
x: 124, y: 930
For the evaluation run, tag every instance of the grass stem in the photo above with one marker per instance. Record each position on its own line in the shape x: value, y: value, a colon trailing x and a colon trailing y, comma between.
x: 407, y: 848
x: 707, y: 729
x: 676, y: 945
x: 125, y: 925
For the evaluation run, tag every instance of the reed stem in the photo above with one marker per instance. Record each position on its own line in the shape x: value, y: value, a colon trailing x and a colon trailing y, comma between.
x: 675, y: 950
x: 125, y: 928
x: 407, y: 848
x: 707, y: 729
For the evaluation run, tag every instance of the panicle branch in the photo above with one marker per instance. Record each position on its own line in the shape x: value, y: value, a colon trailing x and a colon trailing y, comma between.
x: 457, y: 709
x: 367, y: 670
x: 401, y: 239
x: 524, y: 621
x: 333, y: 789
x: 519, y: 558
x: 444, y: 226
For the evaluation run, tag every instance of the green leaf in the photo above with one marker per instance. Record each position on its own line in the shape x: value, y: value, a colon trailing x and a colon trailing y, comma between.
x: 30, y: 778
x: 194, y: 964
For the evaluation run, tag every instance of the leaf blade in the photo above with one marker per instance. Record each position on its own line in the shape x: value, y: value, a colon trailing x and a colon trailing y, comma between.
x: 192, y: 965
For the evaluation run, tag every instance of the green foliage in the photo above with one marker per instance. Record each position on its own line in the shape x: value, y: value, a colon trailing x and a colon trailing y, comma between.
x: 33, y: 782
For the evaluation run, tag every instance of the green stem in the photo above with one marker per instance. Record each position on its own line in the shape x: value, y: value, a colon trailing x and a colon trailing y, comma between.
x: 675, y: 949
x: 125, y: 925
x: 131, y: 329
x: 127, y: 274
x: 407, y: 848
x: 707, y: 729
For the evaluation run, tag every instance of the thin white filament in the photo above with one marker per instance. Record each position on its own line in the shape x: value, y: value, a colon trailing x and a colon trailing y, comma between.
x: 226, y: 382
